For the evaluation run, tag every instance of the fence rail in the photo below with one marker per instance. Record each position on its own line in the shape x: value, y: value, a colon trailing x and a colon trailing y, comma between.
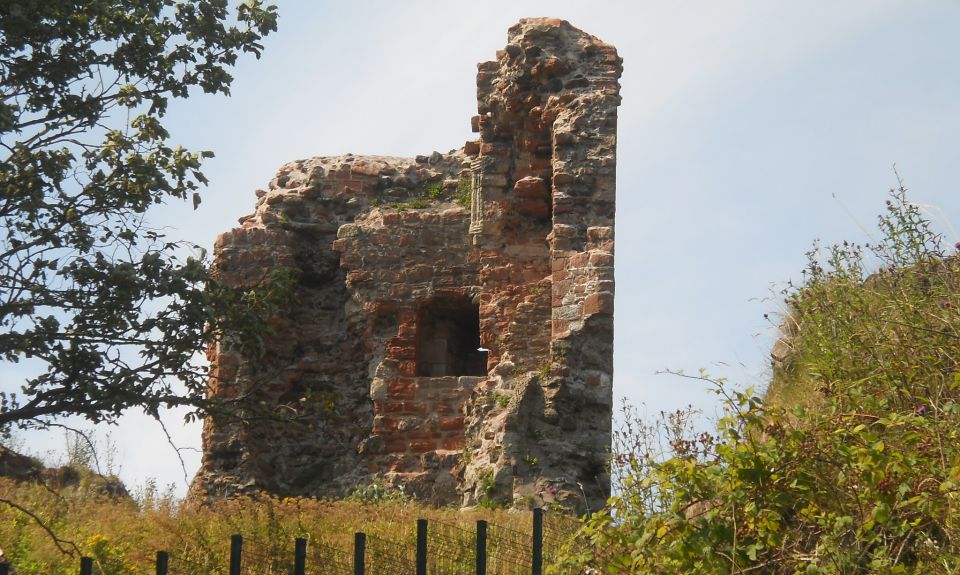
x: 446, y: 549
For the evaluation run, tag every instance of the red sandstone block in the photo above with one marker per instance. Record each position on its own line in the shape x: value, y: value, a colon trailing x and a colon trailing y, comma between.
x: 562, y: 287
x: 357, y: 277
x: 422, y: 446
x: 452, y: 443
x: 419, y: 273
x: 600, y: 259
x: 562, y: 179
x: 385, y: 424
x: 442, y: 409
x: 451, y: 423
x: 578, y: 260
x: 390, y: 218
x: 392, y: 407
x: 599, y: 233
x: 422, y: 435
x: 401, y: 389
x: 407, y: 368
x: 401, y: 351
x: 364, y: 168
x: 598, y: 303
x: 606, y: 245
x: 395, y: 447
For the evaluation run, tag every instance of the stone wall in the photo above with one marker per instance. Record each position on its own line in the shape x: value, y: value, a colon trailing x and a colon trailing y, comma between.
x: 453, y: 326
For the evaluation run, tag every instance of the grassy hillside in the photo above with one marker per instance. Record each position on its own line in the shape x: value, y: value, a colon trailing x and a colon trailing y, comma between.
x: 850, y: 464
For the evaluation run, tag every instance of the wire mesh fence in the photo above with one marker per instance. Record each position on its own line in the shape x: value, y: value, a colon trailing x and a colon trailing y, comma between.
x: 440, y: 548
x: 385, y: 556
x: 327, y: 560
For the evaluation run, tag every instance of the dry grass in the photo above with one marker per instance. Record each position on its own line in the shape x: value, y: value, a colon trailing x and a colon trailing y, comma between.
x: 123, y: 535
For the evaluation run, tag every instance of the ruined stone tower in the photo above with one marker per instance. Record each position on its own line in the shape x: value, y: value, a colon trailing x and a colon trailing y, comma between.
x: 453, y: 325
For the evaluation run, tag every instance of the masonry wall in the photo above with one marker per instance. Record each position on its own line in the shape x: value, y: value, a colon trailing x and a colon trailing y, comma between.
x: 404, y: 265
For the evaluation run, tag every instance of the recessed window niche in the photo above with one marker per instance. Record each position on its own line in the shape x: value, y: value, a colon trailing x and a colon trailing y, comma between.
x: 448, y: 338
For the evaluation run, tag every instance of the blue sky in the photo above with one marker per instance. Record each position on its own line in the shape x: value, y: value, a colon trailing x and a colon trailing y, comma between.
x: 747, y: 130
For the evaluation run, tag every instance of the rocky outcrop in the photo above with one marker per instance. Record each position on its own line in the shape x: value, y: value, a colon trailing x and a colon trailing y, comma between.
x: 21, y: 468
x: 453, y: 325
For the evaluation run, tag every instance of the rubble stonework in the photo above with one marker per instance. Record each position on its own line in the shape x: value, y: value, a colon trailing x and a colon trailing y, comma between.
x: 452, y: 331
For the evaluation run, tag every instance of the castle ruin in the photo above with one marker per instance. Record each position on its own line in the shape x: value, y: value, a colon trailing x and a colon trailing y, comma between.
x: 452, y: 331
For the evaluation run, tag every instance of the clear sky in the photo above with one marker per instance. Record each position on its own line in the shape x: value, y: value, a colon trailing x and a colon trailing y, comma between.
x: 747, y: 129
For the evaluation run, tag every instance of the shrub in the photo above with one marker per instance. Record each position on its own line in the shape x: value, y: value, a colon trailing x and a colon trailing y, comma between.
x: 861, y: 476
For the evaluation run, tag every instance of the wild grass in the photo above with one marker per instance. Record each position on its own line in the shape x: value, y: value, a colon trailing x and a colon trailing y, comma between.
x: 123, y: 535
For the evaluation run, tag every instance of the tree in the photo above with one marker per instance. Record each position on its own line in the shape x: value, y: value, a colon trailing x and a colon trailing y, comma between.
x: 109, y: 311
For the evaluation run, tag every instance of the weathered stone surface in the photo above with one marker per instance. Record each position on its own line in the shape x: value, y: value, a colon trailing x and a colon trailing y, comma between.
x: 463, y: 353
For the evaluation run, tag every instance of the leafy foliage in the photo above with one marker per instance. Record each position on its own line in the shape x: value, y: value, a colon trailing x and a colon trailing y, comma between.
x: 863, y: 478
x: 107, y: 310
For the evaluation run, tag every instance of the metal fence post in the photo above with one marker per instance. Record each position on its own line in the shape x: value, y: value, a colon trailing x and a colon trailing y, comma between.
x: 300, y: 556
x: 86, y: 566
x: 162, y: 560
x: 537, y: 561
x: 481, y: 547
x: 421, y: 547
x: 359, y: 550
x: 236, y: 553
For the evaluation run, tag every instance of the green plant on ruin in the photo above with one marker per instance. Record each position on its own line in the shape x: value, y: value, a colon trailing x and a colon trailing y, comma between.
x: 466, y: 455
x: 502, y: 399
x: 487, y: 482
x: 463, y: 194
x: 488, y: 489
x: 418, y: 203
x: 490, y: 503
x: 378, y: 491
x: 434, y: 190
x: 531, y: 460
x: 544, y: 371
x: 862, y: 475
